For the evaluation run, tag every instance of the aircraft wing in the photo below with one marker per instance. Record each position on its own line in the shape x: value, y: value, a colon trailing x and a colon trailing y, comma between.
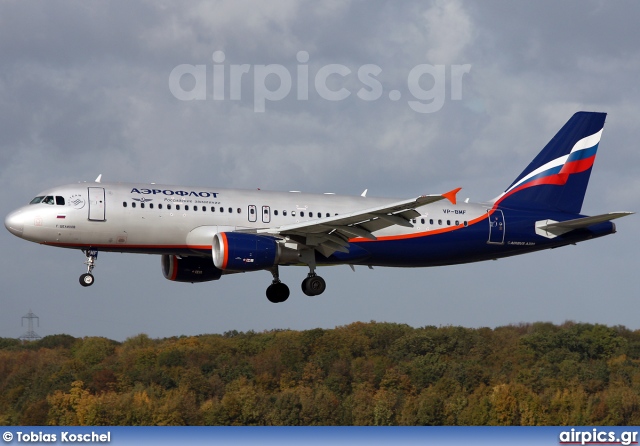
x: 555, y: 228
x: 332, y: 234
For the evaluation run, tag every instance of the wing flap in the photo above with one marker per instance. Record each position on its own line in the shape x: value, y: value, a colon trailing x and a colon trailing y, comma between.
x: 355, y: 224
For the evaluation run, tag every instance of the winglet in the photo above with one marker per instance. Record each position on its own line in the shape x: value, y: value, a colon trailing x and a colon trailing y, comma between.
x: 451, y: 195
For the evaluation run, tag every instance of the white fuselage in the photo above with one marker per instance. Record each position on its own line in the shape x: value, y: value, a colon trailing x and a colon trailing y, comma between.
x: 130, y: 217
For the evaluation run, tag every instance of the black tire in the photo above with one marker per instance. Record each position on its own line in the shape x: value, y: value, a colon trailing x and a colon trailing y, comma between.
x: 313, y: 286
x: 86, y: 279
x: 277, y: 293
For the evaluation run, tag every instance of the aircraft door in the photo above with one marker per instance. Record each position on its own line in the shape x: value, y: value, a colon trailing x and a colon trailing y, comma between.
x: 253, y: 213
x: 496, y: 227
x: 266, y: 214
x: 96, y: 204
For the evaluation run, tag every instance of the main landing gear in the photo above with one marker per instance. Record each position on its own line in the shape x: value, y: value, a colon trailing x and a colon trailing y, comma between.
x: 313, y: 285
x: 278, y: 292
x: 87, y: 278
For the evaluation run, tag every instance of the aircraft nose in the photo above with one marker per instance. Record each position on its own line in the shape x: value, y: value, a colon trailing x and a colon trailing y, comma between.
x: 14, y: 222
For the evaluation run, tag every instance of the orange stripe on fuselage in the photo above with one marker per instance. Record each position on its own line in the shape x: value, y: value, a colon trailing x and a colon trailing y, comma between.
x: 423, y: 233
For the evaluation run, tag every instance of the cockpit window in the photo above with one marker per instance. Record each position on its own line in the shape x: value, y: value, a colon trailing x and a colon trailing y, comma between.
x: 48, y: 200
x: 59, y: 200
x: 36, y: 200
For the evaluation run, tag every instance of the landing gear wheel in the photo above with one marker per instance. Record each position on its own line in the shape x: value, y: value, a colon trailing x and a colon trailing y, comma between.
x: 277, y: 292
x: 86, y: 279
x: 313, y: 285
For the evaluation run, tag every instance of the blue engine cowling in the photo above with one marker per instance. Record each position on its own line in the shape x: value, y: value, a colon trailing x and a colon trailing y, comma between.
x: 189, y: 269
x: 236, y: 251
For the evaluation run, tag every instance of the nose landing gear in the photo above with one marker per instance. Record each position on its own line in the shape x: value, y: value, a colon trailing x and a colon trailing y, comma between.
x: 87, y: 278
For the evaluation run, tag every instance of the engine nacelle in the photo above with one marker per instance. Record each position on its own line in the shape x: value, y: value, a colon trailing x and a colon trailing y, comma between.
x: 189, y: 269
x: 236, y: 251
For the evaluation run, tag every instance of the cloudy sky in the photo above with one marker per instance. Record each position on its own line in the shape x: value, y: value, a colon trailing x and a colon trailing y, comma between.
x: 89, y: 88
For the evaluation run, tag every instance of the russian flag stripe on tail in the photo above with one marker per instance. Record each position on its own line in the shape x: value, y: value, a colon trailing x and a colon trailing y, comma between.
x: 557, y: 178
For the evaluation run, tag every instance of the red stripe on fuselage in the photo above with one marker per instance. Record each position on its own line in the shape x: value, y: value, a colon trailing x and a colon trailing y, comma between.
x: 116, y: 247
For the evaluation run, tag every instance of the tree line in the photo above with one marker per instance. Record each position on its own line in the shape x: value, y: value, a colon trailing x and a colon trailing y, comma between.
x: 358, y: 374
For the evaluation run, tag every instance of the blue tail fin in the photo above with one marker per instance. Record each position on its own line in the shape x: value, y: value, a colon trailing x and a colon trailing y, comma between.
x: 557, y: 178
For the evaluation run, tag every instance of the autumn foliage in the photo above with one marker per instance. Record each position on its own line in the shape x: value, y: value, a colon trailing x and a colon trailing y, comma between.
x: 359, y: 374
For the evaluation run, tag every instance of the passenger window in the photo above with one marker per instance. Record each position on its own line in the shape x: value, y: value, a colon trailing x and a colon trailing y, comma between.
x: 457, y: 223
x: 142, y: 205
x: 36, y: 200
x: 169, y: 207
x: 160, y: 206
x: 284, y: 213
x: 213, y: 209
x: 124, y: 204
x: 221, y: 209
x: 230, y: 211
x: 59, y: 201
x: 440, y: 222
x: 301, y: 213
x: 275, y: 212
x: 431, y: 221
x: 195, y: 208
x: 186, y: 207
x: 319, y: 214
x: 133, y: 205
x: 150, y: 205
x: 413, y: 221
x: 328, y: 215
x: 422, y: 221
x: 448, y: 222
x: 253, y: 211
x: 239, y: 211
x: 466, y: 224
x: 177, y: 207
x: 293, y: 213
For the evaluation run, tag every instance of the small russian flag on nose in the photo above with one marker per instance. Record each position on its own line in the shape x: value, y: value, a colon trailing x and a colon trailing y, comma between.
x: 62, y: 216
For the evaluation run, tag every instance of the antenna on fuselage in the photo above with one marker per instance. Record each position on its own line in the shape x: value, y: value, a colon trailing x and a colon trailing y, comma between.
x: 99, y: 178
x: 364, y: 194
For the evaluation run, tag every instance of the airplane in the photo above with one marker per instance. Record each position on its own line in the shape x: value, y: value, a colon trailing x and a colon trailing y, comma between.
x: 205, y: 233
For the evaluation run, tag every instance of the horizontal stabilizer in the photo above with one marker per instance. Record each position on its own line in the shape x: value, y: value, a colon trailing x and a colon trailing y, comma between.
x: 551, y: 228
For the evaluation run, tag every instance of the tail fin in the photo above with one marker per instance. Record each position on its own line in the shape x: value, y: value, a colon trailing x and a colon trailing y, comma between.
x: 557, y: 178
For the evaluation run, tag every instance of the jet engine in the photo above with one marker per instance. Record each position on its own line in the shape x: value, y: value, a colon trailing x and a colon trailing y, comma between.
x: 189, y: 269
x: 236, y: 251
